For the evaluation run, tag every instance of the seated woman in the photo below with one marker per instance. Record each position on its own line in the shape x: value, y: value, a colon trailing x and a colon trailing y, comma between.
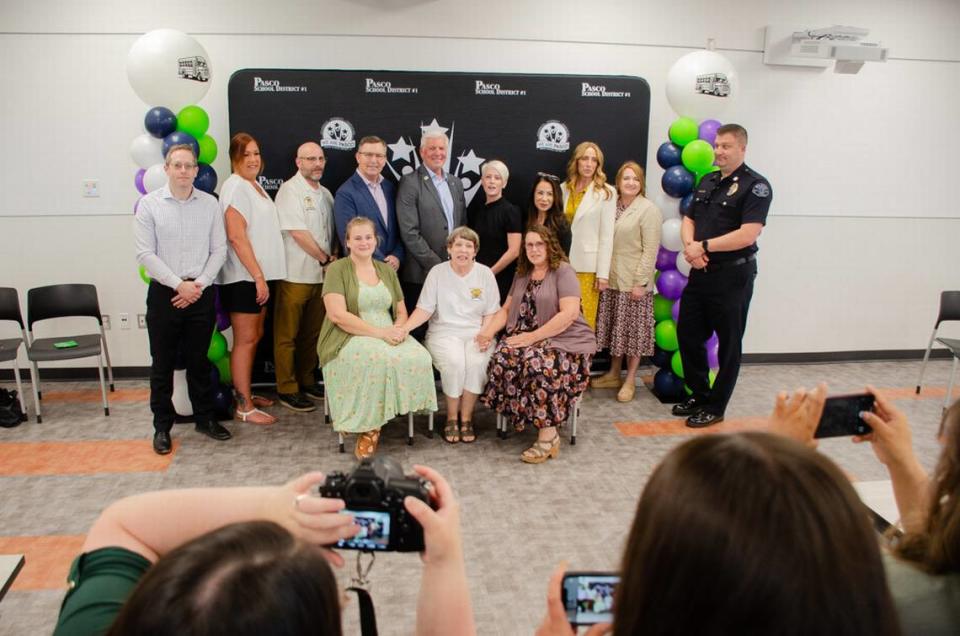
x: 459, y: 297
x: 748, y: 533
x: 209, y: 561
x: 371, y: 369
x: 543, y: 363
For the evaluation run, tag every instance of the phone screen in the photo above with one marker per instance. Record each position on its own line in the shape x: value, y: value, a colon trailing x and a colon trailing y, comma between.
x: 841, y: 416
x: 374, y: 531
x: 588, y: 597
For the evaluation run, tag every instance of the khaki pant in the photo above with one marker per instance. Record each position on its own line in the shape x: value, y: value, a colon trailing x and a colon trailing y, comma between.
x: 297, y: 317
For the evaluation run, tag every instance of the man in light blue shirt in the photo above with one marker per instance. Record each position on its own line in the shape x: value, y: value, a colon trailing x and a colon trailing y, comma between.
x: 430, y: 205
x: 181, y: 242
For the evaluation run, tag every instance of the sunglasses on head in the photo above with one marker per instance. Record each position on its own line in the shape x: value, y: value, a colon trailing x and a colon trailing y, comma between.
x: 549, y: 177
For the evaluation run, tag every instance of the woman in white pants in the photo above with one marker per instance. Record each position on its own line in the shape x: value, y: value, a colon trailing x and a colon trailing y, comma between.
x: 459, y: 297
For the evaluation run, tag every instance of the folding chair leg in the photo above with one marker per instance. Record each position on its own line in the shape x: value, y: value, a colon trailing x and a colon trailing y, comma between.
x: 106, y: 353
x: 326, y: 410
x: 16, y: 375
x: 35, y: 381
x: 340, y: 441
x: 103, y: 387
x: 430, y: 425
x: 410, y: 428
x: 926, y: 357
x: 953, y: 377
x: 575, y: 414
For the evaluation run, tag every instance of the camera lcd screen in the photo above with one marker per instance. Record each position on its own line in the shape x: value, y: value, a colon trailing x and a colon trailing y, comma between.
x: 588, y: 598
x: 841, y: 416
x: 374, y: 530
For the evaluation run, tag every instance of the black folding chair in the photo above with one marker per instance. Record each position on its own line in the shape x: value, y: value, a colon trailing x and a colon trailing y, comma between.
x: 949, y: 310
x: 64, y: 301
x: 10, y: 347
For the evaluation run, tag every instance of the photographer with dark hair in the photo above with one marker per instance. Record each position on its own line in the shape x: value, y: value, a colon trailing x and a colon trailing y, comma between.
x: 746, y: 533
x: 246, y: 560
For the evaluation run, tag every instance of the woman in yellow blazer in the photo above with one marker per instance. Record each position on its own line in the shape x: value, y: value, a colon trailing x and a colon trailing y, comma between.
x: 589, y: 204
x: 625, y: 321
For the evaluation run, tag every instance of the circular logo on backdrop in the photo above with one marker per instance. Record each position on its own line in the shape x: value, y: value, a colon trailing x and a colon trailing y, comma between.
x: 553, y: 135
x: 337, y: 133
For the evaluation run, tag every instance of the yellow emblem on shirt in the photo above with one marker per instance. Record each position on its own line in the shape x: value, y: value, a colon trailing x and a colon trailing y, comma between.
x: 476, y: 293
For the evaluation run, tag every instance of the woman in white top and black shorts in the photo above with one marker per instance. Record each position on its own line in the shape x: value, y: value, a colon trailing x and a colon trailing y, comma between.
x: 255, y: 257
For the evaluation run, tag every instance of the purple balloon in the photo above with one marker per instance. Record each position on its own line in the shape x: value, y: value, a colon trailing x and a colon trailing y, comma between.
x: 675, y: 310
x: 138, y: 181
x: 223, y: 319
x: 713, y: 340
x: 708, y: 130
x: 671, y: 284
x: 666, y: 260
x: 713, y: 351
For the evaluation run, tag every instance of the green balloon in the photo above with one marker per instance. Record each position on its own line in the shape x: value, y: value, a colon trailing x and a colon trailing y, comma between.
x: 697, y: 156
x: 193, y: 120
x: 700, y: 175
x: 683, y: 131
x: 144, y: 276
x: 687, y: 390
x: 661, y: 308
x: 712, y: 376
x: 665, y: 334
x: 208, y: 149
x: 223, y: 367
x: 677, y: 364
x: 218, y: 347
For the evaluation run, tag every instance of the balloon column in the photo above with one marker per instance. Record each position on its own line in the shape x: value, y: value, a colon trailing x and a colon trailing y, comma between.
x: 699, y: 87
x: 170, y: 71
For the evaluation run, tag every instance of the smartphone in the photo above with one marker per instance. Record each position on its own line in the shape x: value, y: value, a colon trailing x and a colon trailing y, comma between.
x: 588, y: 597
x: 374, y: 531
x: 841, y: 416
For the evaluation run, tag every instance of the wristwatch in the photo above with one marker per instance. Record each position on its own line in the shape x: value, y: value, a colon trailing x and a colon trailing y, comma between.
x: 705, y: 244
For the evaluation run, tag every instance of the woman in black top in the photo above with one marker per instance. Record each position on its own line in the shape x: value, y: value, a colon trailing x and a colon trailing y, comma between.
x: 545, y: 207
x: 498, y: 223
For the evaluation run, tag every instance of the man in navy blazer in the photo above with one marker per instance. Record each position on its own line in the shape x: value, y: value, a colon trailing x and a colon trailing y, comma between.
x: 368, y: 194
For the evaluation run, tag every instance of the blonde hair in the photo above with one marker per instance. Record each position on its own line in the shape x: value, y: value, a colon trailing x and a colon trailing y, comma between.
x: 632, y: 165
x: 497, y: 166
x: 361, y: 220
x: 599, y: 177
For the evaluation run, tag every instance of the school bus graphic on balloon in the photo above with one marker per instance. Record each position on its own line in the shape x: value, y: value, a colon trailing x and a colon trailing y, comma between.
x: 713, y: 84
x: 194, y: 68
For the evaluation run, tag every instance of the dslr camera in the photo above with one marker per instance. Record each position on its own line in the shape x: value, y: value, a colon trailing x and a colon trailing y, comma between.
x: 374, y: 494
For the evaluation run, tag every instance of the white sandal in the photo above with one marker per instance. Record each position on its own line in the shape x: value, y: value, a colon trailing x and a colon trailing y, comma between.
x: 243, y: 415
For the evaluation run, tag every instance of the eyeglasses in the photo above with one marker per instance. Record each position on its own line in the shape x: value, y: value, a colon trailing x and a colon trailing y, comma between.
x: 373, y: 155
x: 549, y: 177
x: 182, y: 166
x: 539, y: 245
x: 313, y: 159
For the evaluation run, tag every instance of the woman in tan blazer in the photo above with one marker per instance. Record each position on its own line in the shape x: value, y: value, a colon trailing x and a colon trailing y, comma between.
x: 625, y: 318
x: 589, y: 205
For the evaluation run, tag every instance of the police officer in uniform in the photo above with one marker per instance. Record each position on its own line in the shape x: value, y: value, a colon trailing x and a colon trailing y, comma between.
x: 719, y: 234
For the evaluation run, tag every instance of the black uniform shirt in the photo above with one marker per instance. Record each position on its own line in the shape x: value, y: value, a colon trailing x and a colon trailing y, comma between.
x: 722, y: 205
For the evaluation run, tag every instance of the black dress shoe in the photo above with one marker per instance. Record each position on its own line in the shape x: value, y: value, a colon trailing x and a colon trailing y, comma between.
x: 296, y: 402
x: 702, y: 419
x: 161, y: 443
x: 215, y: 430
x: 687, y: 407
x: 314, y: 392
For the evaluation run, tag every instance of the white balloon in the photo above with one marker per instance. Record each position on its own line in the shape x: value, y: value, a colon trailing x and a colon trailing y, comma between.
x: 669, y: 237
x: 701, y: 85
x: 146, y: 150
x: 154, y: 178
x: 669, y: 206
x: 168, y: 68
x: 181, y: 398
x: 682, y: 265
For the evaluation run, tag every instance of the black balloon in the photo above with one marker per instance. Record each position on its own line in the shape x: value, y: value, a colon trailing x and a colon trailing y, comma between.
x: 669, y: 155
x: 178, y: 137
x: 667, y: 384
x: 160, y: 122
x: 206, y: 178
x: 662, y: 357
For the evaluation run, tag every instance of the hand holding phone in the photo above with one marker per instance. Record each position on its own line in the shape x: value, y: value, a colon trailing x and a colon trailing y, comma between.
x: 841, y: 416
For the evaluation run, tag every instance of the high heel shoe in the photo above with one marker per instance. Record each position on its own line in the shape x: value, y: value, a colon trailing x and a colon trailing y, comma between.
x: 542, y: 450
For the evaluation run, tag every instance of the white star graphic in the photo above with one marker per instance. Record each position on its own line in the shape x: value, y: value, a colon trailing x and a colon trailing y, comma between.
x: 470, y: 162
x: 401, y: 149
x: 433, y: 126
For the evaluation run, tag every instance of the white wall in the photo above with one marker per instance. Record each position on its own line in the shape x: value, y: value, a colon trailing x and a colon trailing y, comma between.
x: 862, y: 232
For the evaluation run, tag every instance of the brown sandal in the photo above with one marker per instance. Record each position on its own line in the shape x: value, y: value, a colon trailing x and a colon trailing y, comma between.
x: 451, y: 432
x: 466, y: 430
x: 367, y: 444
x: 541, y: 451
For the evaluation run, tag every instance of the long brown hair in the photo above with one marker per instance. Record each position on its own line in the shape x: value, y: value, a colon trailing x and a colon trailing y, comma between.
x: 244, y: 579
x: 599, y: 177
x: 936, y: 548
x: 238, y: 145
x: 751, y: 534
x: 554, y: 220
x: 555, y: 254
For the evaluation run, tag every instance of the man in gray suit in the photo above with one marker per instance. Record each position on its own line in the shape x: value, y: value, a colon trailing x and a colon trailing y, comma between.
x: 430, y: 204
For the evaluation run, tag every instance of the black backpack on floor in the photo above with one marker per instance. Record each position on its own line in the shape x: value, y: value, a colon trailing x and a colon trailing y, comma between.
x: 11, y: 413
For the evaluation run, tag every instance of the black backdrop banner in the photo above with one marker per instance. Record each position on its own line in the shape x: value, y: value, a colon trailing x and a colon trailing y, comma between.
x: 530, y: 122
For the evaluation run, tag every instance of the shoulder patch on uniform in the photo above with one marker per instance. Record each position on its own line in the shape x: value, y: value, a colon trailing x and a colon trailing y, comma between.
x: 761, y: 189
